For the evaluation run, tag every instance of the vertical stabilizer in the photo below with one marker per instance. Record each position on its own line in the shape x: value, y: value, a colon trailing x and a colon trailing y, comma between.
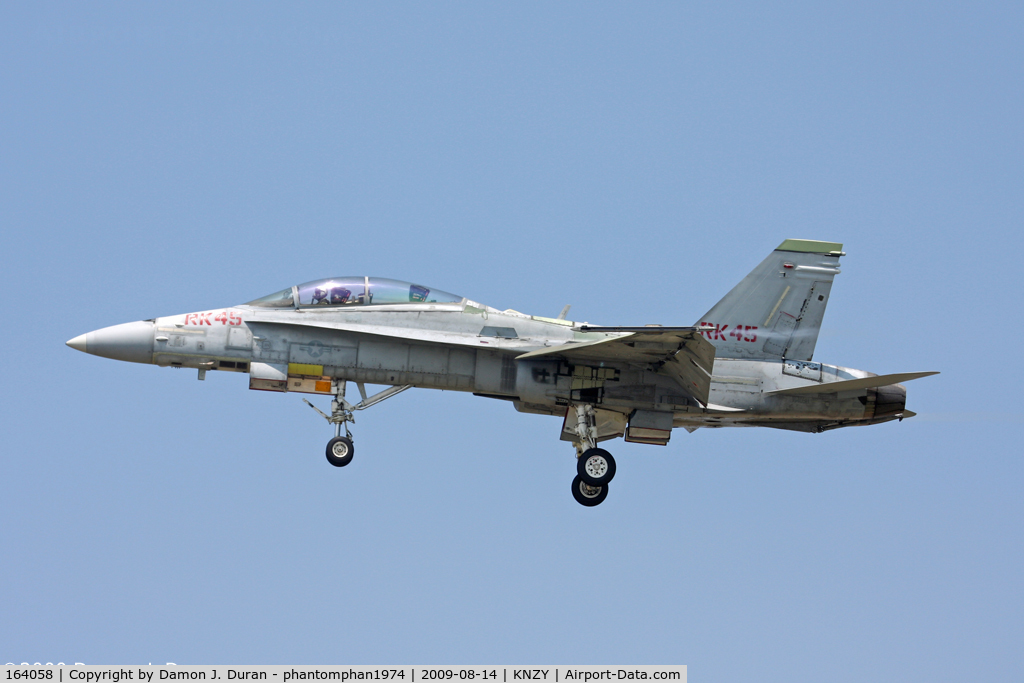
x: 776, y: 311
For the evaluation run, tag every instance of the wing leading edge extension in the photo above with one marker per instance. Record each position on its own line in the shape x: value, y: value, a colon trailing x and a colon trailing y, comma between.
x: 678, y: 352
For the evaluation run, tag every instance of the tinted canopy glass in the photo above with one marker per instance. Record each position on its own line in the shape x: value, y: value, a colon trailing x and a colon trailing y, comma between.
x: 282, y: 299
x: 338, y: 291
x: 364, y: 291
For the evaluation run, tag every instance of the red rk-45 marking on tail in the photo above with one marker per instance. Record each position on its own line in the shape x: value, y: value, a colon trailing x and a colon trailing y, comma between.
x: 740, y: 333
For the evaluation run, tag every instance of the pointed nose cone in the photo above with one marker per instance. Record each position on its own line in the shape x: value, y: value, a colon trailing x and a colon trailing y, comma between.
x: 132, y: 342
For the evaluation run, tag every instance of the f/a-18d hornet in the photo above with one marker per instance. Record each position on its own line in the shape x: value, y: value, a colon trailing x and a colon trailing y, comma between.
x: 746, y: 363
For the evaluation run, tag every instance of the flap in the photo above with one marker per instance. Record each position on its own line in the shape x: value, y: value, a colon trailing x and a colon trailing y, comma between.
x: 852, y: 384
x: 681, y: 353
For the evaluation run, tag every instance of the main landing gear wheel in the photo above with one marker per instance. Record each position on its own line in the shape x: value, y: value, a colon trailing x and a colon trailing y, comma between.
x: 587, y: 495
x: 596, y: 467
x: 340, y: 451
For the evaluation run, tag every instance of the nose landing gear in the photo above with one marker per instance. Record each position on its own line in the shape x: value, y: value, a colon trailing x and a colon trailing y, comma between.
x: 340, y: 449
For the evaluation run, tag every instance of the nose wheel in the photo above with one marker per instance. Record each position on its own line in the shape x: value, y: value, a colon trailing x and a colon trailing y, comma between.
x: 340, y: 451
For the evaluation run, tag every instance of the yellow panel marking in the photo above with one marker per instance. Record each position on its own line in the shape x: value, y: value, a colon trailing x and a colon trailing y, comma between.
x: 305, y: 369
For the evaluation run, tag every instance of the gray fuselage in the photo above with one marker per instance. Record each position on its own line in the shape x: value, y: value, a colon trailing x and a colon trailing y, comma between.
x: 471, y: 347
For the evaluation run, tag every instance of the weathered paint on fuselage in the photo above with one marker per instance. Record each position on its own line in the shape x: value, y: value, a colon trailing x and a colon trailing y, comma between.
x: 468, y: 347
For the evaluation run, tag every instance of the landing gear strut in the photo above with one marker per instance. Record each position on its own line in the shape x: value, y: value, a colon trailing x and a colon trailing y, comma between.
x: 340, y: 449
x: 595, y: 467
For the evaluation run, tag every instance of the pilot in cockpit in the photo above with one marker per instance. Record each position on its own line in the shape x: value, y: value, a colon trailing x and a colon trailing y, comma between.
x: 340, y: 295
x: 334, y: 296
x: 319, y: 296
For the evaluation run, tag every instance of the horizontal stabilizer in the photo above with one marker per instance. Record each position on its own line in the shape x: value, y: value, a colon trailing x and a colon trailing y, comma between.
x: 853, y: 384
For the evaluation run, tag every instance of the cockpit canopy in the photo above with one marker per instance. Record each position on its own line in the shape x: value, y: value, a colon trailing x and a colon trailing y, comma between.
x: 354, y: 291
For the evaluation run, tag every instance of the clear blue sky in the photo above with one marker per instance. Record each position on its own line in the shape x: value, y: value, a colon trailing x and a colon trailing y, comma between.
x: 633, y: 160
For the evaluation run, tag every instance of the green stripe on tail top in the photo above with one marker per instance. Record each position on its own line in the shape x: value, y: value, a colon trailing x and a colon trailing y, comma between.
x: 811, y: 247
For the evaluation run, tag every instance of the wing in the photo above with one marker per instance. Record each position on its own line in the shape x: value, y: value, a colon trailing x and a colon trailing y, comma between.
x: 678, y: 352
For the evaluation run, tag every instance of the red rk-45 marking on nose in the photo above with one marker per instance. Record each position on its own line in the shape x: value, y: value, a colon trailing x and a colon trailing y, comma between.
x: 228, y: 318
x: 198, y: 319
x: 223, y: 317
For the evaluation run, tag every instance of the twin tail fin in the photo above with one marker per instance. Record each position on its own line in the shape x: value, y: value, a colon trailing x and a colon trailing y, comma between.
x: 776, y: 311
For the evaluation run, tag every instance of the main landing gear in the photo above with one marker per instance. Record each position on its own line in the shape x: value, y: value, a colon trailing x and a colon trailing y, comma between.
x: 587, y: 495
x: 340, y: 449
x: 595, y: 467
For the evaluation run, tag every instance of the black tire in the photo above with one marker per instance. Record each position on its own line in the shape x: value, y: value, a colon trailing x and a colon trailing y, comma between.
x: 340, y: 451
x: 582, y: 495
x: 596, y: 467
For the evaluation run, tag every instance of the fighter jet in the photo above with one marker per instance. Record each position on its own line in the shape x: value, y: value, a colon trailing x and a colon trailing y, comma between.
x: 748, y: 362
